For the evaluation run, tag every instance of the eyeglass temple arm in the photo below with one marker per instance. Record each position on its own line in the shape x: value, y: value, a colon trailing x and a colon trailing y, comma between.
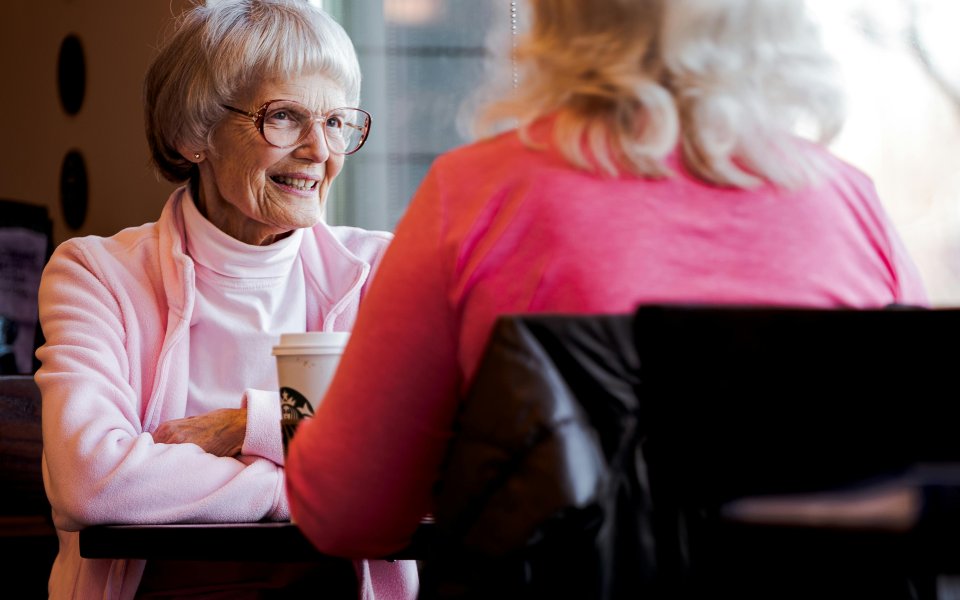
x: 240, y: 111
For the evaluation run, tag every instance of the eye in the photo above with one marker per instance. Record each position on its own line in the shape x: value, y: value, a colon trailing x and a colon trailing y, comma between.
x: 280, y: 115
x: 283, y: 115
x: 334, y: 122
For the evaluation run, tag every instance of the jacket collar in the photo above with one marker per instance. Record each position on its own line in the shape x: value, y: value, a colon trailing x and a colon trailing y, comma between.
x: 332, y: 270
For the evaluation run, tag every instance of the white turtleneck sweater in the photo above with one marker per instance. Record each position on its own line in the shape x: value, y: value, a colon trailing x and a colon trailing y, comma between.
x: 247, y: 294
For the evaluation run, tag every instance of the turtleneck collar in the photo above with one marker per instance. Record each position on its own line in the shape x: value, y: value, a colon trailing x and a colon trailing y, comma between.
x: 227, y: 256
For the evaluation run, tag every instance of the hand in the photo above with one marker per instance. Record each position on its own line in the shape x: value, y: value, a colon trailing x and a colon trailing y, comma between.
x: 219, y: 432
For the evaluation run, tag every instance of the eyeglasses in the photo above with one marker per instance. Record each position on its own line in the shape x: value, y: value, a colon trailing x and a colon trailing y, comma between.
x: 285, y: 123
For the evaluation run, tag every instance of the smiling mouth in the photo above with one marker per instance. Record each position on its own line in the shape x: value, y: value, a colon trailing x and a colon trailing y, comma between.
x: 298, y: 184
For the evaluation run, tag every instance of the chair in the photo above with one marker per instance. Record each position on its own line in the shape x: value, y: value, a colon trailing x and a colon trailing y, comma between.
x: 26, y: 243
x: 748, y: 406
x: 28, y: 540
x: 598, y: 456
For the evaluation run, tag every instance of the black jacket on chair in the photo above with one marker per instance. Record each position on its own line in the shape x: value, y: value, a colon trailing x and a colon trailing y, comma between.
x: 544, y: 491
x: 594, y: 455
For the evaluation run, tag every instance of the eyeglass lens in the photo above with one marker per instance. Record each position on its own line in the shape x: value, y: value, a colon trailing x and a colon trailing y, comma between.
x: 286, y: 123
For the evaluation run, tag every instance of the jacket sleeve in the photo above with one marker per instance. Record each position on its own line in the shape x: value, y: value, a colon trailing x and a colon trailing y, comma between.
x: 100, y: 465
x: 263, y: 437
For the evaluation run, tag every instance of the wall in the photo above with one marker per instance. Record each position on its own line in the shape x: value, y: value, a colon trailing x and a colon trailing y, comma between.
x: 119, y: 38
x: 909, y: 143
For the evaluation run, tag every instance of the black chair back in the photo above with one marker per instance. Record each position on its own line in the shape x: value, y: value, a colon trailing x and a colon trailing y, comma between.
x: 757, y: 401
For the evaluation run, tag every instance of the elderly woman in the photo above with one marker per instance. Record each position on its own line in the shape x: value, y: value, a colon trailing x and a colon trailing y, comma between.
x: 655, y: 160
x: 160, y: 399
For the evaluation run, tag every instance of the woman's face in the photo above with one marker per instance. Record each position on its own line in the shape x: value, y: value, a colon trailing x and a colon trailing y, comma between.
x: 256, y: 192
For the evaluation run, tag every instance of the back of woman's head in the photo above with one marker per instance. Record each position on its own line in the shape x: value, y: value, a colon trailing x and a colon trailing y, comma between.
x: 221, y: 49
x: 727, y: 81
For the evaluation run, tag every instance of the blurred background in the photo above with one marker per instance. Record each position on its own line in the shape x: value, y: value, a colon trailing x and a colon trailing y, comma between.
x: 73, y: 144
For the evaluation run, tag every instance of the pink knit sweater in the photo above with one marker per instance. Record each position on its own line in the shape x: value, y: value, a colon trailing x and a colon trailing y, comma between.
x: 499, y: 228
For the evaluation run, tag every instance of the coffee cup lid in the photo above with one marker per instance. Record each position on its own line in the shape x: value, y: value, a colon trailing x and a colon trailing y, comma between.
x: 312, y: 342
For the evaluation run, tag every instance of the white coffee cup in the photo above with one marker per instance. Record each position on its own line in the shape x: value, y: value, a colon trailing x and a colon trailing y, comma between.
x: 306, y: 363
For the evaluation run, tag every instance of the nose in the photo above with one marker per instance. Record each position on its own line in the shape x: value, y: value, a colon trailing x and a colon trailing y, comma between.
x: 314, y: 146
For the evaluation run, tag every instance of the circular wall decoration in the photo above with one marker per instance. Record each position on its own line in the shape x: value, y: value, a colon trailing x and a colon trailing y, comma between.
x: 73, y: 189
x: 71, y: 74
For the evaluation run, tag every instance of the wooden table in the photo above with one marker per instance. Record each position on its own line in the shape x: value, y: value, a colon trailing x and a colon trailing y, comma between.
x: 260, y: 542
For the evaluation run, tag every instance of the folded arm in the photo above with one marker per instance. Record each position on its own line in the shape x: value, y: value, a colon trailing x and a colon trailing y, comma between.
x: 102, y: 463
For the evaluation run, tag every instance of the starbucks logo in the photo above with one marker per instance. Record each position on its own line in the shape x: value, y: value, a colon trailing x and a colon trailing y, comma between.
x: 294, y: 405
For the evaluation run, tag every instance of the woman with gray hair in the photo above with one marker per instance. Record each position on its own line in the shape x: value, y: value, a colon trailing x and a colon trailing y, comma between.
x: 160, y: 400
x: 654, y: 157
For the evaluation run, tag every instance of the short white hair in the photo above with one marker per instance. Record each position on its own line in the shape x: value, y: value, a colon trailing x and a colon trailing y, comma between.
x: 729, y: 81
x: 220, y: 49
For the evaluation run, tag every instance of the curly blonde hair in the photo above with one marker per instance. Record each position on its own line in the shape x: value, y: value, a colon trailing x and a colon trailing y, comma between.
x: 729, y: 82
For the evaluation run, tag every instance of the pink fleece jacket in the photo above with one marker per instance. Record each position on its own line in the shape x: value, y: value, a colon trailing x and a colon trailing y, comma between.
x: 116, y: 316
x: 497, y: 228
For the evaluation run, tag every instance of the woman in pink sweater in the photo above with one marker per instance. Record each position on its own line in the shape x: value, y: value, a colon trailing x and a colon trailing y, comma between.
x: 653, y: 159
x: 160, y: 400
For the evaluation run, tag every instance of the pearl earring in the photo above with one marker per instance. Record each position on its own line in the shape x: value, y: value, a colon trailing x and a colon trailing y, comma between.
x: 196, y: 155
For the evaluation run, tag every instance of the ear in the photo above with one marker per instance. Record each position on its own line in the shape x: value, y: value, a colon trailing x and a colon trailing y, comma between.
x: 191, y: 154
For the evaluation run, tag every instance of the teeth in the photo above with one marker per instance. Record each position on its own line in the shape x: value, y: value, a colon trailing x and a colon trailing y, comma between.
x: 300, y: 184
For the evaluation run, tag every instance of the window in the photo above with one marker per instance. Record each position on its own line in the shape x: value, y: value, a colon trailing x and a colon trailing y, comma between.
x: 902, y: 72
x: 421, y: 59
